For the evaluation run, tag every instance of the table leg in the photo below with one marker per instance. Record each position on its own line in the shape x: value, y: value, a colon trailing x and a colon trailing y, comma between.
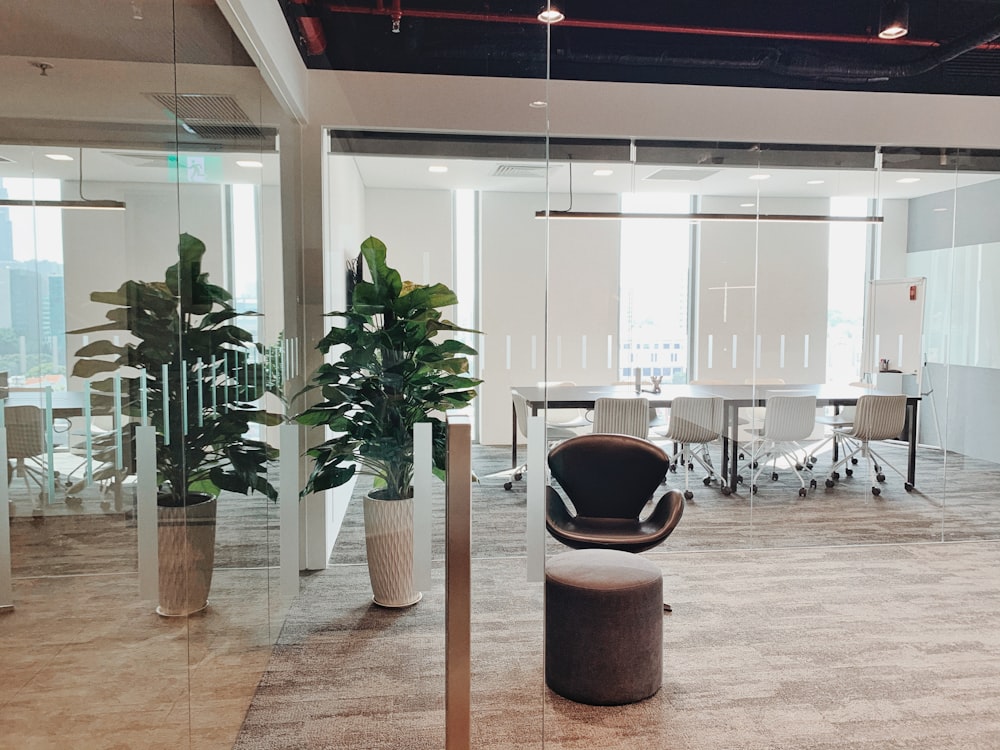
x: 911, y: 460
x: 730, y: 446
x: 513, y: 436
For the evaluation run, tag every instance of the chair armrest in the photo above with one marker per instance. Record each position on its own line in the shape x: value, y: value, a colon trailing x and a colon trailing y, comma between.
x: 555, y: 508
x: 668, y: 510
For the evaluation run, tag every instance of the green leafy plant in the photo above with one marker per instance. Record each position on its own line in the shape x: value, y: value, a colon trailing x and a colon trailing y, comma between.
x: 205, y: 406
x: 390, y: 375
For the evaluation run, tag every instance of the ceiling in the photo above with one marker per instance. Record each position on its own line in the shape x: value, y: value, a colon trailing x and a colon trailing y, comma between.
x: 820, y: 44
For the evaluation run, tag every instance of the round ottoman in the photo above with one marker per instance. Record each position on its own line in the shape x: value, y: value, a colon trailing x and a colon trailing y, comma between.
x: 603, y: 626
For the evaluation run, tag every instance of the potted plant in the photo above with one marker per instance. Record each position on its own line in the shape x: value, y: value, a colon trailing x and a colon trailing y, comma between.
x: 390, y: 374
x: 195, y: 376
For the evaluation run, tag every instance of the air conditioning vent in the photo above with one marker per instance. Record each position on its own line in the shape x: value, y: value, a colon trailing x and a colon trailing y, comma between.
x: 521, y: 170
x: 685, y: 175
x: 211, y: 116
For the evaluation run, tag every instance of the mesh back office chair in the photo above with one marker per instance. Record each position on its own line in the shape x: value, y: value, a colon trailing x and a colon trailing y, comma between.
x: 788, y: 421
x: 876, y: 418
x: 694, y: 424
x: 622, y: 416
x: 553, y: 433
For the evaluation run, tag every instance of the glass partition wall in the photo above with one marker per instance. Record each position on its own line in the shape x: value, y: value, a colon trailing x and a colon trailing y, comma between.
x: 119, y: 158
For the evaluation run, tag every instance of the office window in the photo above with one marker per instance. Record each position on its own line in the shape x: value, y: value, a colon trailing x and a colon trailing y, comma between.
x: 655, y: 259
x: 32, y: 302
x: 846, y: 293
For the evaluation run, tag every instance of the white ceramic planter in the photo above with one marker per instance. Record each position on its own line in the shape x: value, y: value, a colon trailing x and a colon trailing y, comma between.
x: 389, y: 544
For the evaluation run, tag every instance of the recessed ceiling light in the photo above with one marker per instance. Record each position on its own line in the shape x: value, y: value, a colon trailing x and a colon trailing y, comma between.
x: 907, y: 180
x: 815, y: 182
x: 59, y: 157
x: 550, y: 15
x: 603, y: 172
x: 538, y: 105
x: 437, y: 168
x: 760, y: 177
x: 249, y: 163
x: 747, y: 205
x: 940, y: 208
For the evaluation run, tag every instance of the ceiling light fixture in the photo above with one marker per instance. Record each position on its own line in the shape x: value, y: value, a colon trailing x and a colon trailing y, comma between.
x: 907, y: 180
x: 538, y: 104
x: 250, y: 163
x: 550, y: 15
x: 603, y: 172
x: 747, y: 205
x: 437, y: 168
x: 85, y: 203
x: 894, y: 19
x: 760, y: 177
x: 815, y: 182
x: 789, y: 218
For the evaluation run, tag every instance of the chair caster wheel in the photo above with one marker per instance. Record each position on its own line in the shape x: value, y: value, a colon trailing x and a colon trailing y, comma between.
x: 508, y: 486
x: 876, y: 491
x: 908, y: 487
x: 707, y: 481
x: 812, y: 460
x: 835, y: 475
x: 802, y: 491
x: 774, y: 476
x: 812, y: 484
x: 854, y: 461
x: 798, y: 467
x: 673, y: 468
x: 518, y: 476
x: 849, y: 472
x: 829, y: 484
x: 880, y: 477
x: 688, y: 494
x: 727, y: 490
x: 753, y: 489
x: 739, y: 479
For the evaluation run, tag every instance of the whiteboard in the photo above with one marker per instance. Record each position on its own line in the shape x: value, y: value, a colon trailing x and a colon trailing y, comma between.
x: 894, y: 324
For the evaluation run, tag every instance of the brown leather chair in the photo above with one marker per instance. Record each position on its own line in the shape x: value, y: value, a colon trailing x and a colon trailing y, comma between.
x: 608, y: 479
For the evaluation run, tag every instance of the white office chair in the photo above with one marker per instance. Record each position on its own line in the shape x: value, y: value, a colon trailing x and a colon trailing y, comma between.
x: 571, y: 418
x: 26, y: 446
x: 694, y: 424
x: 553, y: 433
x: 788, y: 421
x: 622, y: 416
x: 875, y: 418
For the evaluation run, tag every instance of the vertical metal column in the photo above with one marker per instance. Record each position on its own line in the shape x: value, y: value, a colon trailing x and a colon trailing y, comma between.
x: 288, y: 511
x: 458, y: 585
x: 535, y: 528
x: 423, y: 476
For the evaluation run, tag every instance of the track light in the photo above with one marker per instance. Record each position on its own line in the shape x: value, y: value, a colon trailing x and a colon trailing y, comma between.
x: 894, y: 19
x: 550, y: 14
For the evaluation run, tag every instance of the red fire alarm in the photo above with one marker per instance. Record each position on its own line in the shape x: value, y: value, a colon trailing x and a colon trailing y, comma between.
x: 913, y: 291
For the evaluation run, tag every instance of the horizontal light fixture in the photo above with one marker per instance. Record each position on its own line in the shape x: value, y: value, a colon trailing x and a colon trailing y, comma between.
x: 250, y: 163
x: 603, y: 172
x: 59, y: 157
x: 96, y: 205
x: 815, y: 182
x: 437, y: 169
x: 907, y: 180
x: 789, y: 218
x: 760, y: 176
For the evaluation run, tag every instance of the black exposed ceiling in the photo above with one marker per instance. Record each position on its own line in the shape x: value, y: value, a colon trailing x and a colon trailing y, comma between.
x: 952, y: 47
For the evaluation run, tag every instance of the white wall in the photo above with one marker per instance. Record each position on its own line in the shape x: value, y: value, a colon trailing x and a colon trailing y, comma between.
x: 417, y: 229
x: 581, y: 272
x: 786, y: 266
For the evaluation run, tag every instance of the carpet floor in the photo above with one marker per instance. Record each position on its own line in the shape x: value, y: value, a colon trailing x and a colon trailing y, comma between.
x: 839, y: 620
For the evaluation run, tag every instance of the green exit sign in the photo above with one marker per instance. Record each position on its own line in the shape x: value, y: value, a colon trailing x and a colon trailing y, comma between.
x: 195, y: 168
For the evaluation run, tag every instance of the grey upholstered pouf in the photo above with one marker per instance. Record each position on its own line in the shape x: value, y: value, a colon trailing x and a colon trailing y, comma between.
x: 603, y: 626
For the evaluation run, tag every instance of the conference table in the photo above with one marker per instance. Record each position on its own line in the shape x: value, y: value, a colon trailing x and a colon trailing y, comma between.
x: 65, y: 404
x: 734, y: 398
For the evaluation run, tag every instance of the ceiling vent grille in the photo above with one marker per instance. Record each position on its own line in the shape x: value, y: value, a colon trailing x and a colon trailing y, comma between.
x: 521, y: 170
x: 210, y: 116
x: 685, y: 175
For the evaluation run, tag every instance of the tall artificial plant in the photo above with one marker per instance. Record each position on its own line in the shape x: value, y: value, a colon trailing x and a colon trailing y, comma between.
x: 389, y: 374
x: 191, y: 372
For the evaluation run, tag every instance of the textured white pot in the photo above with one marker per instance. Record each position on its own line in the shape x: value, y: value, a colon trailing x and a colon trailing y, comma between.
x: 186, y: 546
x: 389, y: 544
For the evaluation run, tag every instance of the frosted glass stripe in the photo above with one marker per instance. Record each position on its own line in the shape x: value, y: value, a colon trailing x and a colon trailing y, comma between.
x: 735, y: 350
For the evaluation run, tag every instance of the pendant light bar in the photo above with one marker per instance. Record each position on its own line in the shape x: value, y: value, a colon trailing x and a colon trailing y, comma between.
x: 791, y: 218
x: 95, y: 205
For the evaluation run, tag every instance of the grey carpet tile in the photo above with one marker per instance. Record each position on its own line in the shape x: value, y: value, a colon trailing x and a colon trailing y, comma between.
x: 883, y: 637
